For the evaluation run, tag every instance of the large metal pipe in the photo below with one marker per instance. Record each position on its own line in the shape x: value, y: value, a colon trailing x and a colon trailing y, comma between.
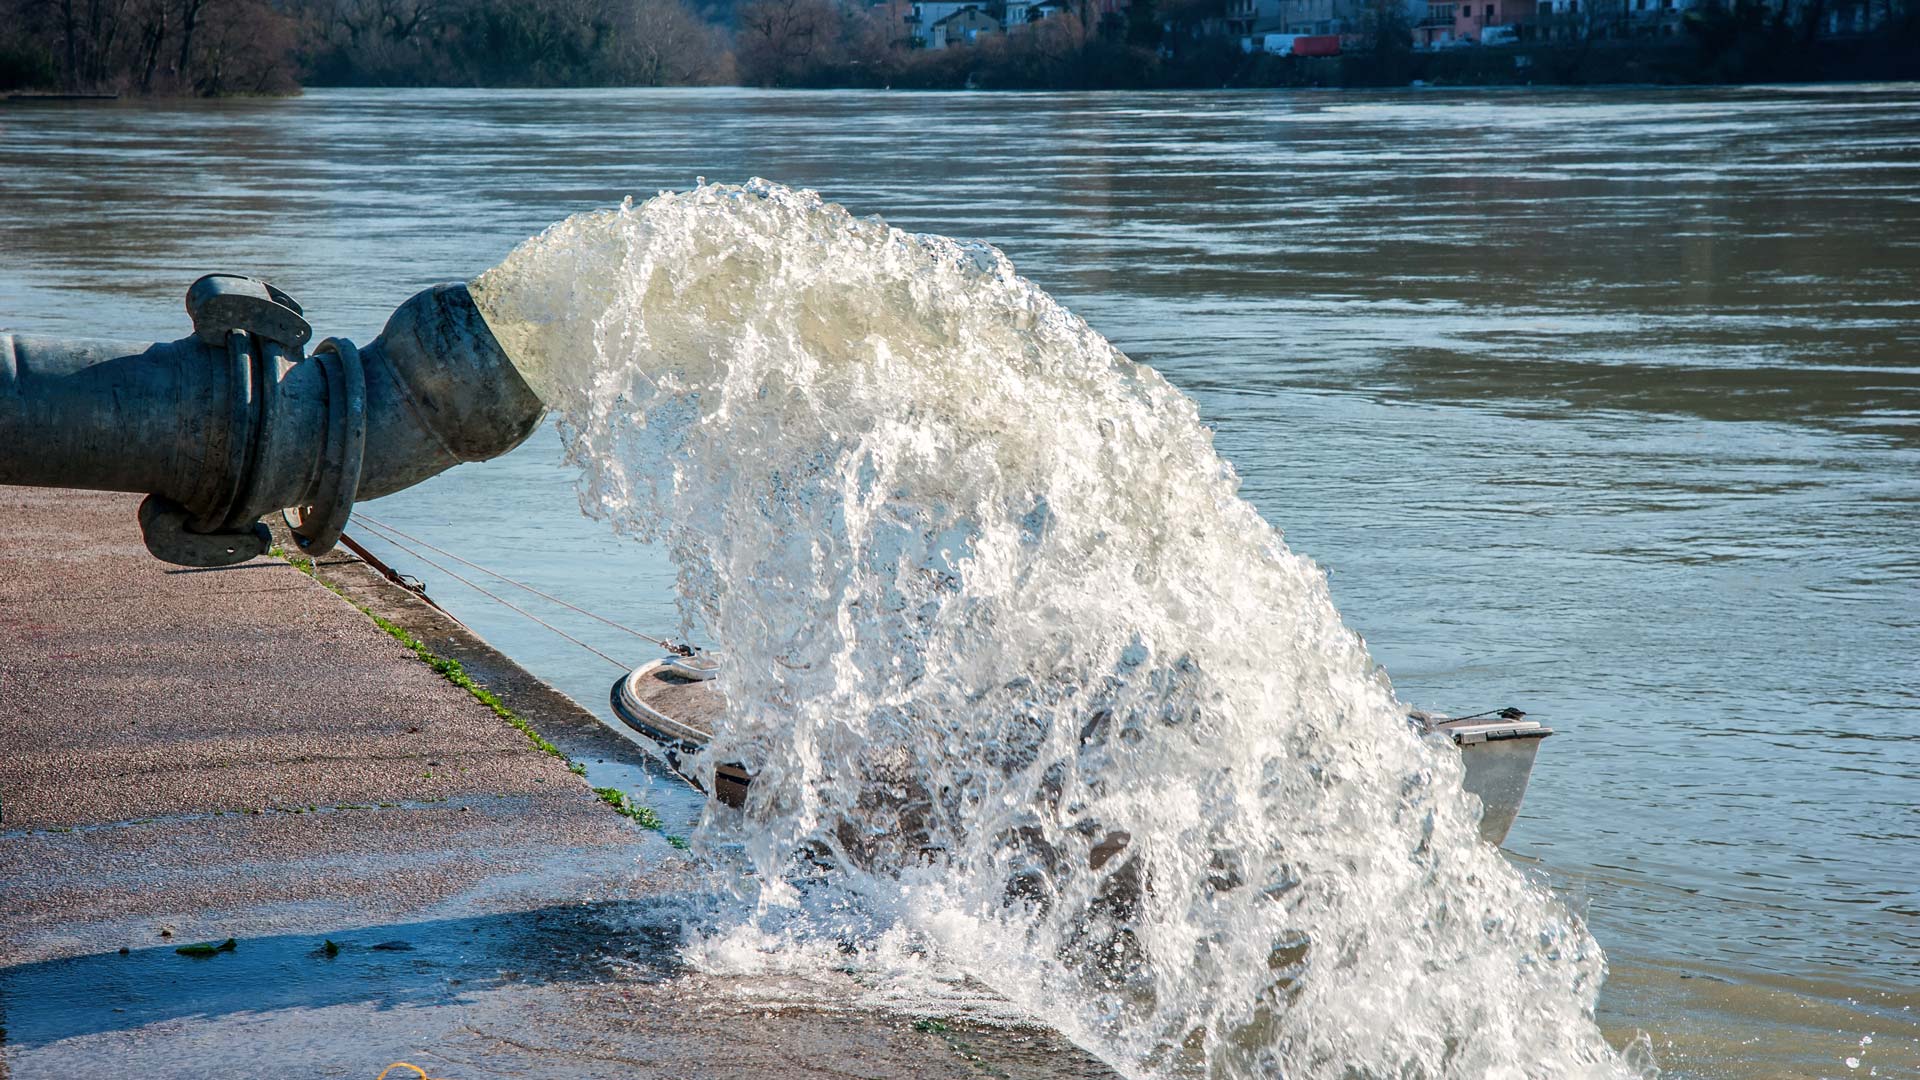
x: 237, y: 421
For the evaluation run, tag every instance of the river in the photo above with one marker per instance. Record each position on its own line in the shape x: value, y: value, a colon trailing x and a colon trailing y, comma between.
x: 1604, y: 404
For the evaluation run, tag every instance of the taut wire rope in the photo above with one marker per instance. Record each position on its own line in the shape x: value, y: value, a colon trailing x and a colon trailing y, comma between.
x: 501, y: 600
x: 377, y: 523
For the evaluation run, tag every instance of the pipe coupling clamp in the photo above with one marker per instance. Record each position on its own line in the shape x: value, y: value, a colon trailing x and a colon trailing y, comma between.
x: 258, y: 328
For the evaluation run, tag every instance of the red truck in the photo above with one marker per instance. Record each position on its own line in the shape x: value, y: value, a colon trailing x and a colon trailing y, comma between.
x: 1317, y: 45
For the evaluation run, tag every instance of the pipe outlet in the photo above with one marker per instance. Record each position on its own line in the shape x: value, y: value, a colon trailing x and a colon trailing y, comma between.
x: 238, y: 420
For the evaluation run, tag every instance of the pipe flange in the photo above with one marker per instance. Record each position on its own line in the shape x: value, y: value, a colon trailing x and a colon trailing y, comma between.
x: 235, y: 442
x: 254, y: 325
x: 321, y: 523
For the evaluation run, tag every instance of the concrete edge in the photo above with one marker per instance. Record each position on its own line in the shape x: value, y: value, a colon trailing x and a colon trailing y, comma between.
x: 569, y: 728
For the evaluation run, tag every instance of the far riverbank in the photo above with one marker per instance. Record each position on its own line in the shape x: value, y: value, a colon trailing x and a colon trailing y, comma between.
x: 1685, y: 61
x: 259, y: 49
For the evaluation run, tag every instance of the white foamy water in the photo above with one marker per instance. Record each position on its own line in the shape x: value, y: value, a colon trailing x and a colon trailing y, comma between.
x: 1007, y: 650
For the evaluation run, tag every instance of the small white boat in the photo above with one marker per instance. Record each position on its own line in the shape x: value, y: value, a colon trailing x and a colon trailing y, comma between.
x: 674, y: 702
x: 1497, y: 749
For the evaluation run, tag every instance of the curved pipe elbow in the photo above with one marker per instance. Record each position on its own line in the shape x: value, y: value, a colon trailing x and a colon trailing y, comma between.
x: 233, y: 423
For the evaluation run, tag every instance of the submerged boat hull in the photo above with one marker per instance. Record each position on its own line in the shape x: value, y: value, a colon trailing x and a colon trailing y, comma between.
x: 676, y: 711
x: 675, y: 706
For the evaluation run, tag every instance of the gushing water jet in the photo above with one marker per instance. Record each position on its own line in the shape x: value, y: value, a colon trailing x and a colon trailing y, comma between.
x: 990, y: 600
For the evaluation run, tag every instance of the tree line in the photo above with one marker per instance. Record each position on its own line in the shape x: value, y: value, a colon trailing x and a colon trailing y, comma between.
x: 223, y: 47
x: 206, y: 47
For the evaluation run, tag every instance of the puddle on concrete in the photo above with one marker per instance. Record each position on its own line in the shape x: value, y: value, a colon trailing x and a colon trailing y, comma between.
x: 565, y: 991
x: 649, y: 783
x: 438, y: 962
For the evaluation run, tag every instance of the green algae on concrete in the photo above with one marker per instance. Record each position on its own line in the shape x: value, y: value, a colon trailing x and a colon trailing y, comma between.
x: 639, y: 813
x: 452, y: 671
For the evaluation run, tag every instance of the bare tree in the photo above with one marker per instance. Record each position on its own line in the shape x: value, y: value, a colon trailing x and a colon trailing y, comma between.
x: 190, y: 11
x: 247, y: 50
x: 389, y: 39
x: 781, y: 40
x: 1057, y: 38
x: 664, y: 43
x: 874, y: 37
x: 151, y: 31
x: 89, y: 31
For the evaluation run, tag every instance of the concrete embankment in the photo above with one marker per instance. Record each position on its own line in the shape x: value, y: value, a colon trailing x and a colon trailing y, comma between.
x: 193, y: 756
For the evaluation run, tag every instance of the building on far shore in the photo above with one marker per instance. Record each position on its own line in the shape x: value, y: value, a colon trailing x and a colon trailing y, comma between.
x: 937, y: 24
x: 1265, y: 25
x: 1319, y: 16
x: 963, y: 27
x: 1248, y: 17
x: 1475, y: 17
x: 1572, y: 20
x: 932, y: 24
x: 1048, y: 9
x: 1435, y: 28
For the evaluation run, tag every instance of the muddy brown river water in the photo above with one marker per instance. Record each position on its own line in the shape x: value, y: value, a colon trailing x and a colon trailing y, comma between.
x: 1605, y: 404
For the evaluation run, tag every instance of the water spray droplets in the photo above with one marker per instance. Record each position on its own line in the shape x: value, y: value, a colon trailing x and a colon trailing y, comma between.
x: 1007, y: 651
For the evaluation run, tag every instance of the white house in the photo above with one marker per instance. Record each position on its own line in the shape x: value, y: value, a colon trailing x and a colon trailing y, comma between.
x: 1245, y: 17
x: 1563, y: 19
x: 1320, y: 16
x: 963, y: 27
x: 925, y: 13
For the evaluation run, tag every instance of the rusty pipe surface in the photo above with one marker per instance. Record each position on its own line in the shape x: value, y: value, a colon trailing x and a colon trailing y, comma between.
x: 238, y: 421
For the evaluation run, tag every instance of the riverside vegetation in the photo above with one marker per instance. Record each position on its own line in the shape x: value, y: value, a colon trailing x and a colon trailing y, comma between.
x: 211, y: 48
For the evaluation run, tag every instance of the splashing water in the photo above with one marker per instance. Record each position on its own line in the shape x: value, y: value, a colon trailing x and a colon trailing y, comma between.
x: 1006, y: 648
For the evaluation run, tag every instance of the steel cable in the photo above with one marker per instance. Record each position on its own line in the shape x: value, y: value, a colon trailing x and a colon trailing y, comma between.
x: 502, y: 601
x: 663, y: 643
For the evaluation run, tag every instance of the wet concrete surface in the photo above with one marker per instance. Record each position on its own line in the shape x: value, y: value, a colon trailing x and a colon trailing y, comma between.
x: 564, y: 991
x: 193, y: 756
x: 139, y: 689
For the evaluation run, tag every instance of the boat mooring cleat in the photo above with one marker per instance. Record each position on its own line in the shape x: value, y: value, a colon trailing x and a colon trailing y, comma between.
x: 239, y: 420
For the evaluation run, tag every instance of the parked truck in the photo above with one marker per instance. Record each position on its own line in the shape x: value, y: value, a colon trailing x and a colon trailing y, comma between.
x: 1293, y: 44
